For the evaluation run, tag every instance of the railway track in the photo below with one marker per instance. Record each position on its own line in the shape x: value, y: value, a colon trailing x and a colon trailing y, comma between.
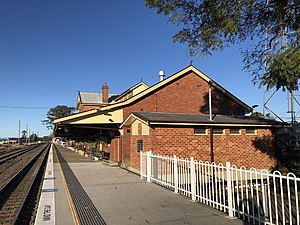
x: 11, y: 154
x: 18, y: 195
x: 12, y: 164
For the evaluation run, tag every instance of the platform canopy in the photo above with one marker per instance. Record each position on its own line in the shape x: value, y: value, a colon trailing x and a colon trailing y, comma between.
x: 89, y: 125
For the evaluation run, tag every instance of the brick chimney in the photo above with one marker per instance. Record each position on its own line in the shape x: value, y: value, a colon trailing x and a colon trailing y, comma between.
x: 105, y: 93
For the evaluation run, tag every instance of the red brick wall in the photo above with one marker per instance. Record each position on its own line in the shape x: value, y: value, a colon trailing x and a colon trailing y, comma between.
x: 240, y: 150
x: 126, y: 147
x: 181, y: 142
x: 256, y: 151
x: 189, y: 94
x: 114, y: 149
x: 148, y: 144
x: 83, y: 108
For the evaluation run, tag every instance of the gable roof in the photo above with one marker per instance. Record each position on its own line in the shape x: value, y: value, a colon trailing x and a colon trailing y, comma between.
x: 92, y: 98
x: 172, y: 78
x: 158, y: 118
x: 131, y: 90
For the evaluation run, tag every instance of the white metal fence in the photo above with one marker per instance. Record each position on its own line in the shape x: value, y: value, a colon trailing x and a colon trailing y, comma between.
x: 258, y: 197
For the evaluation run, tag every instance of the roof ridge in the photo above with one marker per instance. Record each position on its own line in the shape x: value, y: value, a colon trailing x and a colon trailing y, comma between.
x: 175, y: 76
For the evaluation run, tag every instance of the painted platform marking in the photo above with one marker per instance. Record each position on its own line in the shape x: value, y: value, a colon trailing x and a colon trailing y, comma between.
x: 49, y: 190
x: 49, y: 178
x: 46, y: 209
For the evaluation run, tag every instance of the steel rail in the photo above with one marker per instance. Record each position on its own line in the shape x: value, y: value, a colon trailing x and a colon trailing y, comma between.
x: 15, y: 192
x: 20, y: 170
x: 14, y: 154
x: 41, y: 161
x: 6, y: 150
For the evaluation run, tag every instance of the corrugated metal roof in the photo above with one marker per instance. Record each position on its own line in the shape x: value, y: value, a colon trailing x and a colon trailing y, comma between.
x: 94, y: 98
x: 203, y: 119
x: 89, y: 97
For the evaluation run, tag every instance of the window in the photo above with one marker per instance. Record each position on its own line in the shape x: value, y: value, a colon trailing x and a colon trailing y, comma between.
x: 218, y: 131
x: 200, y: 131
x: 250, y: 130
x: 235, y: 131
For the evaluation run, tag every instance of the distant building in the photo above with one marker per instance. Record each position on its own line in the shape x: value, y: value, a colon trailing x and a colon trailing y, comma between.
x: 90, y: 100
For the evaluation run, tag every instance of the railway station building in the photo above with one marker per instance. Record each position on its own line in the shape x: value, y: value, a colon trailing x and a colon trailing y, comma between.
x: 187, y: 114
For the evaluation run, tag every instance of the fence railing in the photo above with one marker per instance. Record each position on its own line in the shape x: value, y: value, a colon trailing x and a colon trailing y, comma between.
x: 258, y: 197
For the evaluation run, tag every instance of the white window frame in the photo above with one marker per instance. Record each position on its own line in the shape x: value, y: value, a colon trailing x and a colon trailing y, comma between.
x: 240, y: 131
x: 198, y: 134
x: 254, y: 128
x: 223, y: 130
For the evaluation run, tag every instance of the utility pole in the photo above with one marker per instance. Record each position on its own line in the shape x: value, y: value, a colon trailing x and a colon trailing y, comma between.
x: 26, y: 134
x: 19, y: 132
x: 291, y: 107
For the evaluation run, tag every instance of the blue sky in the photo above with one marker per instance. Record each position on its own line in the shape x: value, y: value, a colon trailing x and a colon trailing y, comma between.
x: 51, y: 49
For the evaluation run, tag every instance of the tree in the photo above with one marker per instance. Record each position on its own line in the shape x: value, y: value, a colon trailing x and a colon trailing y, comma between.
x: 47, y: 138
x: 256, y: 114
x: 271, y: 26
x: 24, y: 134
x: 55, y: 113
x: 33, y: 137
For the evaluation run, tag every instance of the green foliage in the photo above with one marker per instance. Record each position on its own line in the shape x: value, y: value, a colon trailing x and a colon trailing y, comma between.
x: 46, y: 138
x: 24, y: 134
x: 33, y: 138
x: 256, y: 114
x: 210, y: 25
x: 260, y: 115
x: 57, y: 112
x: 283, y: 70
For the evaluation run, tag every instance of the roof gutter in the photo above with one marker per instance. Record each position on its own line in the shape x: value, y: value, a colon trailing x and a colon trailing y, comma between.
x: 213, y: 124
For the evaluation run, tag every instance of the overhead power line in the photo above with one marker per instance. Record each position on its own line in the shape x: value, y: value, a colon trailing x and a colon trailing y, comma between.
x: 24, y: 107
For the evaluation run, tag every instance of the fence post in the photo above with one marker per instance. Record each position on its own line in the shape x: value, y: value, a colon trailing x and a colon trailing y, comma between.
x: 175, y: 175
x: 193, y: 179
x: 229, y: 190
x: 148, y: 166
x: 141, y: 164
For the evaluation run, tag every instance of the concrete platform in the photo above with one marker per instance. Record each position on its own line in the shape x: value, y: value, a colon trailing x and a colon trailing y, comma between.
x: 46, y: 212
x: 122, y: 198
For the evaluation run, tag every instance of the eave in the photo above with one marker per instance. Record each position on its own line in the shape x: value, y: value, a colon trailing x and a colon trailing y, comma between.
x: 155, y: 119
x: 75, y: 116
x: 212, y: 124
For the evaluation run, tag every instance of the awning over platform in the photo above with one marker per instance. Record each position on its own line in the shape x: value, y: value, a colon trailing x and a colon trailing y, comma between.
x: 93, y: 116
x: 89, y: 123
